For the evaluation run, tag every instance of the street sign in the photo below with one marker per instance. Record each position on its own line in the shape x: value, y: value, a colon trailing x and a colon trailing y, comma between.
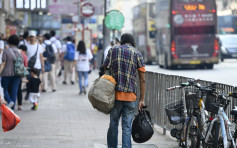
x: 63, y: 7
x: 87, y: 10
x: 114, y: 20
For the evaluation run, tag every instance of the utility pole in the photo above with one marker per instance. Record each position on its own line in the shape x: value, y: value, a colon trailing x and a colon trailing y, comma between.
x: 106, y: 31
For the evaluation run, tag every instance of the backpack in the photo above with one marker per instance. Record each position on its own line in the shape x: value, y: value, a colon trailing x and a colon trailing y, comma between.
x: 49, y: 53
x: 142, y: 129
x: 32, y: 60
x: 19, y: 67
x: 70, y: 54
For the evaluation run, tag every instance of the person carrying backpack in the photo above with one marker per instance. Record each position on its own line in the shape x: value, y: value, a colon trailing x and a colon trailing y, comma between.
x: 7, y: 71
x: 58, y: 44
x: 68, y: 53
x: 49, y: 62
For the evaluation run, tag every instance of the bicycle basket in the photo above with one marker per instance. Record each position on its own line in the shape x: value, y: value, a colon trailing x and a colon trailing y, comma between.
x: 175, y: 112
x: 212, y: 103
x: 191, y: 98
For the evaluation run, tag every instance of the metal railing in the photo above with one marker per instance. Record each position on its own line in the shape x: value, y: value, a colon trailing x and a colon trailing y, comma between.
x: 157, y: 97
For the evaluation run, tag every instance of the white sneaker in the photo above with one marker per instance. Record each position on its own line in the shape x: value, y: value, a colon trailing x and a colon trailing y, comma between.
x: 10, y: 104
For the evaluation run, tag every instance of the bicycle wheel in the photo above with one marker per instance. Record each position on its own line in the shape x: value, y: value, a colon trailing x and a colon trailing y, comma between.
x: 192, y: 136
x: 213, y: 140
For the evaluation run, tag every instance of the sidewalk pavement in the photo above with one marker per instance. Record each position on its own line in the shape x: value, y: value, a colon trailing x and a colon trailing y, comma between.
x: 65, y: 119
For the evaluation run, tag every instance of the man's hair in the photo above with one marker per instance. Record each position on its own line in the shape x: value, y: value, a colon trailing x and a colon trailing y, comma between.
x: 127, y: 38
x: 26, y: 34
x: 52, y: 33
x: 116, y: 40
x: 23, y: 47
x: 13, y: 40
x: 47, y: 36
x: 112, y: 43
x: 69, y: 38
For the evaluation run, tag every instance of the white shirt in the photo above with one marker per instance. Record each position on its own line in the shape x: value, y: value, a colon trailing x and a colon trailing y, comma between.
x: 56, y: 42
x: 48, y: 42
x: 64, y: 48
x: 23, y: 42
x: 31, y: 50
x: 83, y: 60
x: 106, y: 51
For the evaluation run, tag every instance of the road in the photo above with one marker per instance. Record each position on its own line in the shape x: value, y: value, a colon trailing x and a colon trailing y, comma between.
x: 224, y: 72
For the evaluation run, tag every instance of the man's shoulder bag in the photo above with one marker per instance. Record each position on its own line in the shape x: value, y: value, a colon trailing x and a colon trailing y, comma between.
x: 102, y: 94
x: 32, y: 60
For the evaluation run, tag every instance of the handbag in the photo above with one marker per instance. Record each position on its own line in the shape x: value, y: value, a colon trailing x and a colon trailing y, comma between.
x: 47, y: 66
x: 142, y: 126
x: 32, y: 60
x: 102, y: 94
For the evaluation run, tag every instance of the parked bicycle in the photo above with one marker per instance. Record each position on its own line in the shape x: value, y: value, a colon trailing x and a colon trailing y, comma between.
x: 221, y: 132
x: 190, y: 112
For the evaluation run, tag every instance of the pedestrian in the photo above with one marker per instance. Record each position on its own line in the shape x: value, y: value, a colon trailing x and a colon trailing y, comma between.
x: 34, y: 83
x: 34, y: 49
x: 107, y: 49
x: 94, y: 50
x: 25, y: 40
x: 58, y: 44
x: 68, y: 53
x: 50, y: 55
x: 82, y: 62
x: 7, y: 71
x: 23, y: 49
x: 123, y: 61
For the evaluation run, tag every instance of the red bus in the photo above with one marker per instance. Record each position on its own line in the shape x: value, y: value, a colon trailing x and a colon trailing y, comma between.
x: 186, y: 33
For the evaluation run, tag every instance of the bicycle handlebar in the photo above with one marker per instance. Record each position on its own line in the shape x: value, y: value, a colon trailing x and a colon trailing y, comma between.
x: 172, y: 88
x: 193, y: 82
x: 234, y: 95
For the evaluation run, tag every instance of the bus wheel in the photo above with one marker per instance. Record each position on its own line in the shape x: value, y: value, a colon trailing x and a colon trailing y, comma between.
x: 209, y: 66
x: 166, y: 63
x: 161, y: 66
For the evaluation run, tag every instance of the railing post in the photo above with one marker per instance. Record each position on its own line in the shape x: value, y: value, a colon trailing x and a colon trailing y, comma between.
x: 164, y: 130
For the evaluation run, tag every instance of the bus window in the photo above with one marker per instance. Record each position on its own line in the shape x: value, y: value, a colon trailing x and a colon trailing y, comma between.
x: 195, y: 30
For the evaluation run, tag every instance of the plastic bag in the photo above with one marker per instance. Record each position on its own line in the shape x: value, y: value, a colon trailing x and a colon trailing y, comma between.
x: 9, y: 118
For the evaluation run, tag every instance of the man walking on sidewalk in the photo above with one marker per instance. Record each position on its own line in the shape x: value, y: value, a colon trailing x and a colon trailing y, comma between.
x: 123, y: 61
x: 58, y: 44
x: 68, y: 52
x: 49, y: 53
x: 34, y: 51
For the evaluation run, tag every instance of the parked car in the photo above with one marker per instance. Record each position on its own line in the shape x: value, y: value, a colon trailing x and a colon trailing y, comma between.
x: 228, y: 47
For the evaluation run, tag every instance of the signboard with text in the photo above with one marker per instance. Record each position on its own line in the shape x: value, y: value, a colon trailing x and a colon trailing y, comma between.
x: 63, y: 6
x: 71, y: 6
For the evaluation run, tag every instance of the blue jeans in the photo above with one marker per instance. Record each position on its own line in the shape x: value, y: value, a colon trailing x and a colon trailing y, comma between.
x: 85, y: 75
x: 13, y: 83
x: 127, y: 110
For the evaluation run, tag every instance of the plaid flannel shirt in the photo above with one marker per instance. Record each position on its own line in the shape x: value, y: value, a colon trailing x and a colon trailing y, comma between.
x: 123, y: 62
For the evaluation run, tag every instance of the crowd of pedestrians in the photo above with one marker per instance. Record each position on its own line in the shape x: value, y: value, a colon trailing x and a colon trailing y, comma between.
x: 44, y: 57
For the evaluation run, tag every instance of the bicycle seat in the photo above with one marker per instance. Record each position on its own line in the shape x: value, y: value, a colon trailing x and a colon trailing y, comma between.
x: 234, y: 111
